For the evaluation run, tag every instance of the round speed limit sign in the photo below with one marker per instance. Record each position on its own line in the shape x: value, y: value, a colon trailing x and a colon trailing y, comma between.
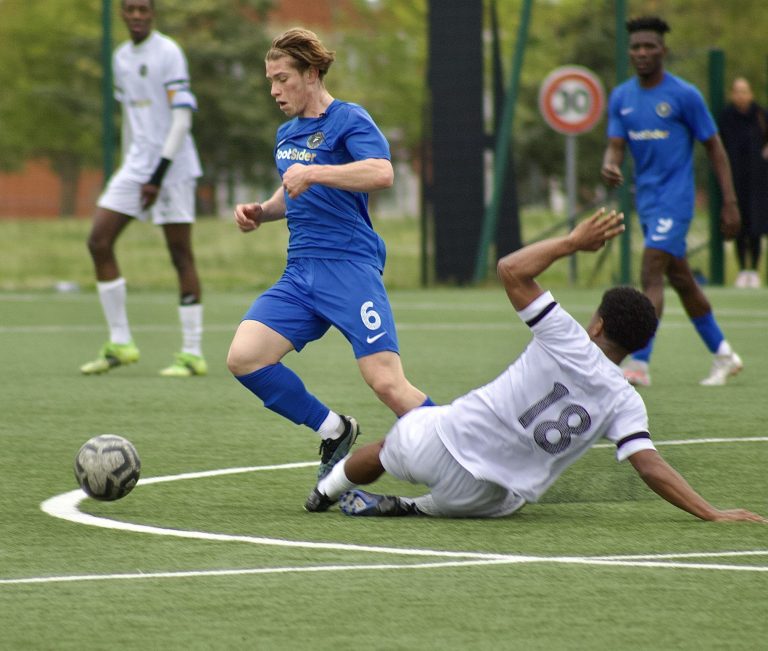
x: 571, y: 99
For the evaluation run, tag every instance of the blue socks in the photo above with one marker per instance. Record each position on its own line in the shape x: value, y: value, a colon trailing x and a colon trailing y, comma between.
x: 709, y: 331
x: 707, y: 328
x: 283, y: 392
x: 644, y: 354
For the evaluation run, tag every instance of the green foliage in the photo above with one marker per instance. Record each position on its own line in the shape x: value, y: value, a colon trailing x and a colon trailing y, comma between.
x: 50, y: 76
x: 225, y: 43
x: 564, y: 32
x: 381, y: 63
x: 50, y: 72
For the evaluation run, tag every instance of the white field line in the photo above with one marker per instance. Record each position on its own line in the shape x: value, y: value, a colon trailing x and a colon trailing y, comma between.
x: 385, y: 566
x: 245, y: 571
x: 65, y: 506
x: 404, y: 326
x: 496, y: 302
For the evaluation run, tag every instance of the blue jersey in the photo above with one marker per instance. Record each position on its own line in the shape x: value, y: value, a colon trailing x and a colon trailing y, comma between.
x: 327, y: 222
x: 660, y: 125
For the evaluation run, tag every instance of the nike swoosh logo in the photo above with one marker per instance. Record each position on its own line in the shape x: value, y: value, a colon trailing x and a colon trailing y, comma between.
x: 280, y: 143
x: 626, y: 111
x: 370, y: 340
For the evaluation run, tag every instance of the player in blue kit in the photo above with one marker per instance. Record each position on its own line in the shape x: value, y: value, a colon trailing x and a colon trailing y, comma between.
x: 330, y: 155
x: 660, y: 115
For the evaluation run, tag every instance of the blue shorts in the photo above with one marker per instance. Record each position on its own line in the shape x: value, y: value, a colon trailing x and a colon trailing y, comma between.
x: 666, y: 233
x: 314, y: 294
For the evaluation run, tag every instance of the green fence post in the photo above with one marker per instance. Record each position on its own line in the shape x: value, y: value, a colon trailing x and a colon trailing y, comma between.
x: 107, y: 98
x: 625, y: 201
x: 501, y: 156
x: 716, y: 102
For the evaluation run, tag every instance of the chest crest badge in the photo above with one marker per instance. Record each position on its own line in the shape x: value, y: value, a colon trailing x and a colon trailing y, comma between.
x: 663, y: 109
x: 315, y: 140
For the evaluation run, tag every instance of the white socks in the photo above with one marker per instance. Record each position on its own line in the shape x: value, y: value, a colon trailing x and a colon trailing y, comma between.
x: 191, y: 317
x: 332, y: 427
x: 112, y: 295
x: 724, y: 348
x: 335, y: 482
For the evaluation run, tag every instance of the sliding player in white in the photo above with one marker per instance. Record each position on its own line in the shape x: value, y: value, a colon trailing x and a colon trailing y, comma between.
x: 157, y: 178
x: 504, y: 444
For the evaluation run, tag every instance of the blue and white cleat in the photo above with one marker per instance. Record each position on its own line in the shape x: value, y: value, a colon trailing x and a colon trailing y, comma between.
x: 360, y: 502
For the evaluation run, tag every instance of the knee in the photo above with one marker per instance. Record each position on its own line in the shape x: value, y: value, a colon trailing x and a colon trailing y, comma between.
x: 386, y: 387
x: 98, y: 245
x: 239, y: 362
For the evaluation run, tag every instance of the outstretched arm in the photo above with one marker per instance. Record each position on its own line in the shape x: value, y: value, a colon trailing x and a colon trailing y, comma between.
x: 664, y: 480
x: 519, y: 269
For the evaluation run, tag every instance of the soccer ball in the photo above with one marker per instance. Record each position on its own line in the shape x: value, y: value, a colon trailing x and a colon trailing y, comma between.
x: 107, y: 467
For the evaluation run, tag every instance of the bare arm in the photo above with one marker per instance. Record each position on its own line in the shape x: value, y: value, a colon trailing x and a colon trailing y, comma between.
x: 249, y: 216
x: 358, y: 176
x: 612, y: 160
x: 730, y: 220
x: 665, y: 481
x: 519, y: 269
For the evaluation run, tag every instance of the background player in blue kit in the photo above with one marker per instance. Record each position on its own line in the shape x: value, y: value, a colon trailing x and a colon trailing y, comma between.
x: 660, y: 115
x: 330, y: 155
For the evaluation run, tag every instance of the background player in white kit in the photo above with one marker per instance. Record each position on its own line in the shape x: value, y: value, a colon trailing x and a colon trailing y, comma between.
x: 157, y: 178
x: 502, y: 445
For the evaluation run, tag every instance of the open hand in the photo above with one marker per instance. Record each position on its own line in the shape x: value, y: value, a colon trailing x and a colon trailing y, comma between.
x: 592, y: 233
x: 738, y: 515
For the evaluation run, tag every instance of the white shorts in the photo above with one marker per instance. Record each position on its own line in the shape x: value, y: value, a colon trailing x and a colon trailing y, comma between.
x: 414, y: 452
x: 175, y: 204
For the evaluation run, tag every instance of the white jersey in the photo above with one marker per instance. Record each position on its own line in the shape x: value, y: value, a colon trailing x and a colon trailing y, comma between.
x: 151, y: 79
x: 546, y: 410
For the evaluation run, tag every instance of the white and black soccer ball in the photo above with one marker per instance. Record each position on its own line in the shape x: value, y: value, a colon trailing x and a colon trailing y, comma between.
x: 107, y: 467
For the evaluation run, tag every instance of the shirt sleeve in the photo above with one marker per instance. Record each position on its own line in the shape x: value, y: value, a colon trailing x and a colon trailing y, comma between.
x: 176, y: 82
x: 629, y: 426
x: 537, y: 309
x: 117, y: 87
x: 615, y: 126
x: 362, y: 138
x: 697, y: 115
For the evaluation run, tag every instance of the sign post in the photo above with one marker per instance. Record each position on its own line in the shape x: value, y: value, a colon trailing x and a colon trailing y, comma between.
x: 571, y: 101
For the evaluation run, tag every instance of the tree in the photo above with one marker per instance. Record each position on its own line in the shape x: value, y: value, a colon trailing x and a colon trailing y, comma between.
x: 50, y: 74
x: 225, y: 43
x: 382, y: 64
